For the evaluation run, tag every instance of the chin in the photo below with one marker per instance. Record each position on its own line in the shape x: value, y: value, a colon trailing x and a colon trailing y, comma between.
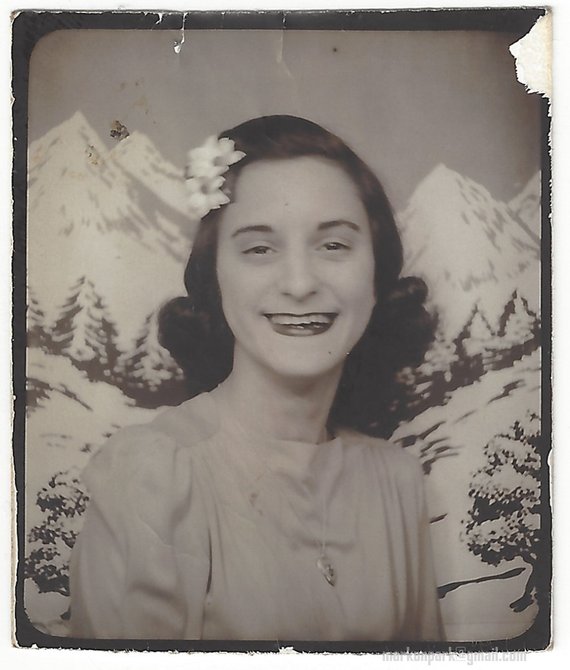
x: 295, y: 359
x: 306, y: 369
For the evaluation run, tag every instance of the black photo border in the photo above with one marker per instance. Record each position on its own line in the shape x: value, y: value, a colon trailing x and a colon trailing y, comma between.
x: 28, y: 27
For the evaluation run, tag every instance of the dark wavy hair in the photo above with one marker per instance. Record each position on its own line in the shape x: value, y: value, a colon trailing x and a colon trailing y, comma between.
x: 195, y: 331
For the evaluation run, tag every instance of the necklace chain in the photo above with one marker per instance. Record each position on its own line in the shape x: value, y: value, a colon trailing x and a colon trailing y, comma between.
x: 323, y: 562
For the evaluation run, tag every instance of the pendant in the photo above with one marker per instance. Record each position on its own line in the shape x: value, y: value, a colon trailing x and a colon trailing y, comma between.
x: 326, y: 569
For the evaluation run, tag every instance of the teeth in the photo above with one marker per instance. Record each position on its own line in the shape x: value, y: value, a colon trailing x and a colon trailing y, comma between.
x: 315, y: 319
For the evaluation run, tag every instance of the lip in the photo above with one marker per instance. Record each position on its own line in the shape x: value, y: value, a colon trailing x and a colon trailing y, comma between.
x: 301, y: 325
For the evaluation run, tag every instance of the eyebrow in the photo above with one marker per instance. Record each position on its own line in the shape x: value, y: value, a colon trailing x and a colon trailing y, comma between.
x: 325, y: 225
x: 258, y: 228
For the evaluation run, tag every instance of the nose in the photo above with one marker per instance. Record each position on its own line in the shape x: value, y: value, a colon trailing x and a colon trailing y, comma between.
x: 298, y: 275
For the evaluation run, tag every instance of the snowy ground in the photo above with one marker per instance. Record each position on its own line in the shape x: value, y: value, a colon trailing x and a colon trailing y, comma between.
x: 471, y: 418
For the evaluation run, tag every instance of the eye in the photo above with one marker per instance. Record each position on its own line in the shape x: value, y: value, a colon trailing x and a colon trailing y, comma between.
x: 335, y: 246
x: 258, y: 250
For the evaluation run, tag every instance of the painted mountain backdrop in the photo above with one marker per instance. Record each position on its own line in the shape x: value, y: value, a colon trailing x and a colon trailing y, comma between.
x: 113, y: 217
x: 107, y: 242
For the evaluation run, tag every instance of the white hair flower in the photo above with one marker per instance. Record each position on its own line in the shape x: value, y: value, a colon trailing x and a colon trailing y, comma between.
x: 205, y: 195
x: 204, y: 181
x: 213, y: 158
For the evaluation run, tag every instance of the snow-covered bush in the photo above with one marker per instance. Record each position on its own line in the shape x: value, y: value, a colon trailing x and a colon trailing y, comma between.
x: 504, y: 520
x: 63, y: 502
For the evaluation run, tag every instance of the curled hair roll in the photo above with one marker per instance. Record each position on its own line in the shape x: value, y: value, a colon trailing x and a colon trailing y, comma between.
x: 203, y: 351
x: 404, y: 325
x: 399, y: 335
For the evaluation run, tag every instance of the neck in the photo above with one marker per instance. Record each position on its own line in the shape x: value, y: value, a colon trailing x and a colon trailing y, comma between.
x: 285, y: 409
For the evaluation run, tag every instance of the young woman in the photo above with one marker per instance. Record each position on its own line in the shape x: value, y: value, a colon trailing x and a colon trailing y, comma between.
x: 261, y: 509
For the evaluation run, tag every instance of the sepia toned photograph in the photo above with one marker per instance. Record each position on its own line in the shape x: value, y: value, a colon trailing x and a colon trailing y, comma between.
x: 286, y: 332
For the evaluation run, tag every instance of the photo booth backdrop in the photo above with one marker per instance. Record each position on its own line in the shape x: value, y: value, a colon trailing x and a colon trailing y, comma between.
x: 456, y: 141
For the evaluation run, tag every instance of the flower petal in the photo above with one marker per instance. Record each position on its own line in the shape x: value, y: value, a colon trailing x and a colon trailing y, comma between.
x: 235, y: 156
x: 218, y: 199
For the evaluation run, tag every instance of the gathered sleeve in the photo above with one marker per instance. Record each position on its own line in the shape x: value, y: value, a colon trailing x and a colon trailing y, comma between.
x: 140, y: 566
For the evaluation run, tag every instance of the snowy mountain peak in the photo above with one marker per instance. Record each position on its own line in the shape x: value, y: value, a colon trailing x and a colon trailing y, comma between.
x: 74, y: 139
x: 136, y: 144
x: 76, y: 123
x: 439, y: 174
x: 138, y: 156
x: 468, y: 247
x: 445, y: 188
x: 531, y: 190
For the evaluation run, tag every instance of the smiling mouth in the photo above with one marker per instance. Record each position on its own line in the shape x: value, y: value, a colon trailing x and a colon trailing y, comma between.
x: 313, y: 323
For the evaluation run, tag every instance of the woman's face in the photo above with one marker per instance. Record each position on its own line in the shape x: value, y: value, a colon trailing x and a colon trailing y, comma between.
x: 295, y: 267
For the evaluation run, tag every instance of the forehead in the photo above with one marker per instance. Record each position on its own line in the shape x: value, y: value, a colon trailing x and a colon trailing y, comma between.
x: 309, y: 187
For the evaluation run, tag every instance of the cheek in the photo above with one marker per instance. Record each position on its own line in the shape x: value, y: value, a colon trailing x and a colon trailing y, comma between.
x: 231, y: 297
x: 228, y: 293
x: 363, y: 295
x: 364, y: 303
x: 237, y: 286
x: 361, y: 282
x: 239, y: 294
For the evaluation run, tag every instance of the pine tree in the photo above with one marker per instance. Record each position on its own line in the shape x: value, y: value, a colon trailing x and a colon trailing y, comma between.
x: 85, y: 332
x: 149, y: 370
x: 103, y: 366
x: 504, y: 520
x: 518, y: 323
x: 38, y: 335
x: 472, y: 347
x: 66, y: 326
x: 475, y: 335
x: 440, y: 357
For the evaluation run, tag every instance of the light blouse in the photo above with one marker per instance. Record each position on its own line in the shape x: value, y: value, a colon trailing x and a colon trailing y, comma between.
x: 199, y: 529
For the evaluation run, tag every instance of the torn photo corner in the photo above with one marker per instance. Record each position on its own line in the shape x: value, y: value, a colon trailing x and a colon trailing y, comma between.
x: 448, y: 109
x: 533, y: 57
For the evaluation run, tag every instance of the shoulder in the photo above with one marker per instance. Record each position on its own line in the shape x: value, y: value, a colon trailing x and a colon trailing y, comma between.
x: 395, y: 473
x: 391, y: 459
x: 148, y: 459
x: 193, y: 421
